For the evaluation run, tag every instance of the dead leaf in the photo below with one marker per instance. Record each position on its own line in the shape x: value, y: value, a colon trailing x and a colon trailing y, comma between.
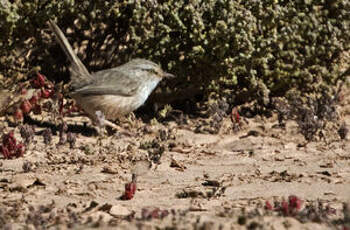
x: 177, y: 165
x: 109, y: 170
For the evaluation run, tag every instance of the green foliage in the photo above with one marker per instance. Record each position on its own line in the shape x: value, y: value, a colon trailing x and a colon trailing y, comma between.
x: 239, y: 50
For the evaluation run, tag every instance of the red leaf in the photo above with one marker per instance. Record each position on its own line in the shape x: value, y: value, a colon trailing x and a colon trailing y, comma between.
x: 33, y: 100
x: 285, y: 208
x: 130, y: 189
x: 235, y: 118
x: 295, y: 202
x: 5, y: 152
x: 41, y: 79
x: 268, y: 206
x: 26, y: 106
x: 45, y: 93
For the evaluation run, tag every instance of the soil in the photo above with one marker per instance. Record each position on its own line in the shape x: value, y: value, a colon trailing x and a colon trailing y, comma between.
x: 186, y: 178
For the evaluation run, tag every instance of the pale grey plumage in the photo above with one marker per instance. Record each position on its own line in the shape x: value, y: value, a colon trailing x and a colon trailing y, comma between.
x: 114, y: 92
x: 130, y: 77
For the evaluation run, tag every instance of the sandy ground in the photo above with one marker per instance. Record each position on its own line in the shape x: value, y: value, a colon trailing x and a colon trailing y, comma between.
x: 196, y: 180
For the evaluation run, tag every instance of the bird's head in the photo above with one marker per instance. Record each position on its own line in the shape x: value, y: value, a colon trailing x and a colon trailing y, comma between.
x: 150, y: 68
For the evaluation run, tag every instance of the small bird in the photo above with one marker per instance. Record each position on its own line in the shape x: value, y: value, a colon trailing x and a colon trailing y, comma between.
x: 113, y: 92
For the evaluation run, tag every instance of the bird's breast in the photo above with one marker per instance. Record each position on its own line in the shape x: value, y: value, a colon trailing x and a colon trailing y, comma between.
x: 146, y: 89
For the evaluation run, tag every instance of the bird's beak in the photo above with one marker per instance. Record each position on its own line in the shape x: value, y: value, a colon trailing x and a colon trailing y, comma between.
x: 168, y: 75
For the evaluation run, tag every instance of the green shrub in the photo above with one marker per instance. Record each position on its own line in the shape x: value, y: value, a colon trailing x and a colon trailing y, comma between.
x: 238, y: 50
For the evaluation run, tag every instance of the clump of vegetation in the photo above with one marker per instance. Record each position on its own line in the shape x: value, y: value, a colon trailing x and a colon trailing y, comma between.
x: 154, y: 148
x: 294, y: 207
x: 27, y: 133
x: 237, y: 50
x: 312, y: 114
x: 10, y: 148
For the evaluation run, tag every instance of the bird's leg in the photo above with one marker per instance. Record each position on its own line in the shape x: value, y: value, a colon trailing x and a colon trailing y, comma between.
x: 101, y: 122
x: 112, y: 125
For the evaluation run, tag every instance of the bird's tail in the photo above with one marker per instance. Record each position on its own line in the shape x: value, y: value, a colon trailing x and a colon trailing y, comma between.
x: 79, y: 74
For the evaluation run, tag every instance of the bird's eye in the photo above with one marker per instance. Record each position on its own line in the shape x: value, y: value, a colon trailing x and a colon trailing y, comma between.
x: 153, y: 71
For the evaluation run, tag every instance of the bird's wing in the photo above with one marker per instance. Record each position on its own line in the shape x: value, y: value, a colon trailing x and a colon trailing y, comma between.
x: 112, y: 82
x: 79, y: 74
